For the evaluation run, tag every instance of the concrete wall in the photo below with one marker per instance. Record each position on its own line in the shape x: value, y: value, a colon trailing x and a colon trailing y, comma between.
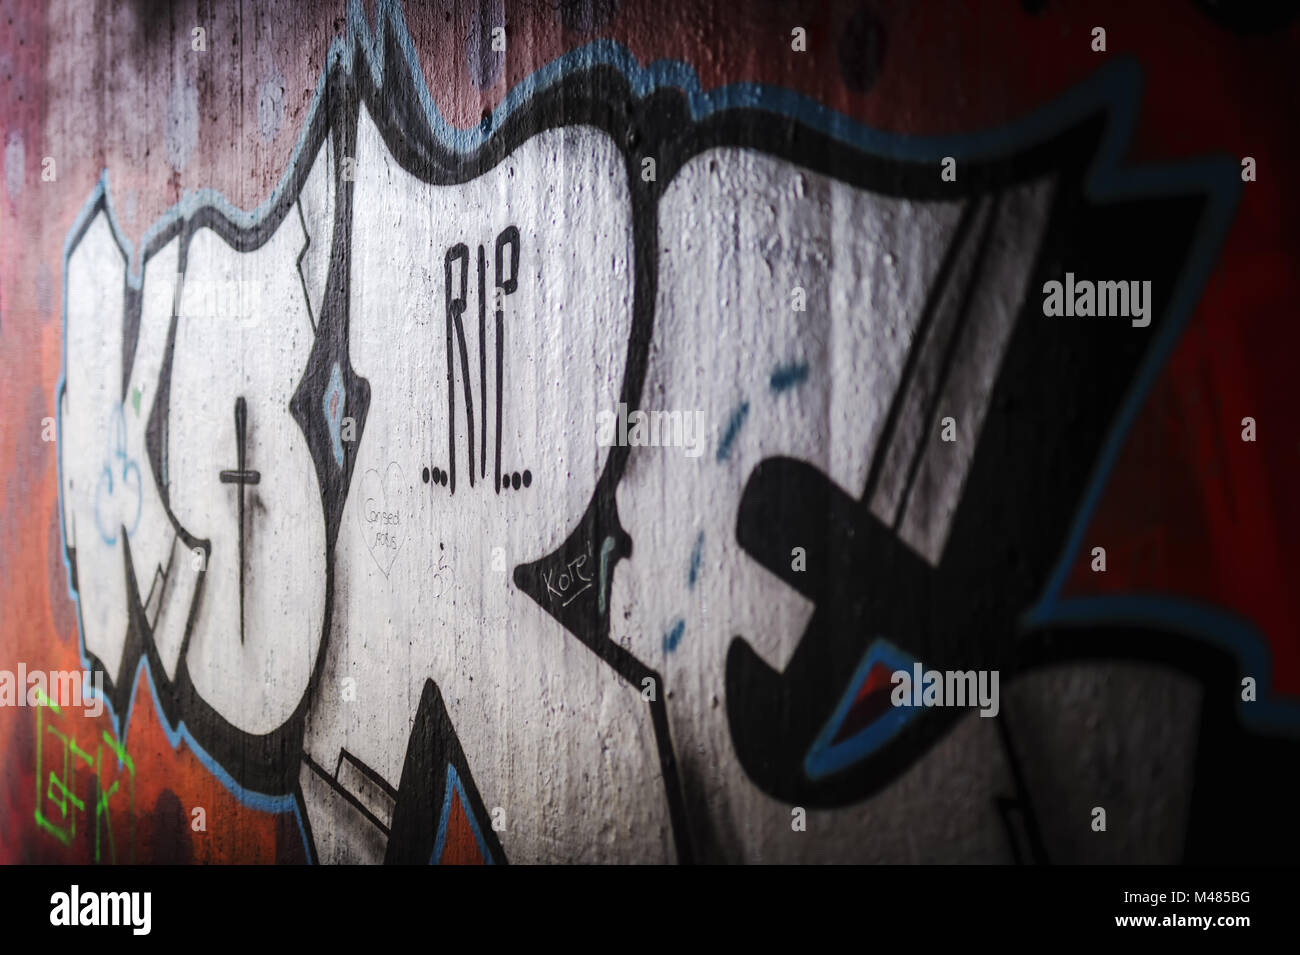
x: 531, y: 433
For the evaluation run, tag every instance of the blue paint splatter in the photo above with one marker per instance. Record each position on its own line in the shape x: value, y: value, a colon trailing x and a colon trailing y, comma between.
x: 733, y: 428
x: 785, y: 377
x: 115, y: 499
x: 674, y: 636
x: 333, y: 402
x: 696, y: 555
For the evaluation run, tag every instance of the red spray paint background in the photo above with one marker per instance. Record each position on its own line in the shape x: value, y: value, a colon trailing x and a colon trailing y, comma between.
x: 1190, y: 510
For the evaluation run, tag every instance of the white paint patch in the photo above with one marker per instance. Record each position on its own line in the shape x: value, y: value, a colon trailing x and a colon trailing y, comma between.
x: 738, y: 232
x: 550, y: 733
x: 102, y: 482
x: 254, y: 681
x: 164, y: 569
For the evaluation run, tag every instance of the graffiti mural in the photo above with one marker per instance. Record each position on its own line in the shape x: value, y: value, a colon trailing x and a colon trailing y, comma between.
x: 331, y: 484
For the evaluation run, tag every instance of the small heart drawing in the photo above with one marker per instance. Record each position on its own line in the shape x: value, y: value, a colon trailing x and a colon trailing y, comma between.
x: 383, y: 514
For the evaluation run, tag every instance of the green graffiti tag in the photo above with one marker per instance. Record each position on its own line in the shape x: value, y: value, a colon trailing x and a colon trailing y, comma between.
x: 61, y: 795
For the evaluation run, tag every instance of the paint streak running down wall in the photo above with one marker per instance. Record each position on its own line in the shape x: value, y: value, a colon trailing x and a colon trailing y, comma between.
x: 337, y: 520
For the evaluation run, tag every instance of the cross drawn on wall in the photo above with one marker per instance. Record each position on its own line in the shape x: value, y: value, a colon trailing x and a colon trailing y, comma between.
x: 242, y: 476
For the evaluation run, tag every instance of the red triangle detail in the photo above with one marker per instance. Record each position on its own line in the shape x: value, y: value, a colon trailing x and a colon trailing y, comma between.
x: 459, y: 847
